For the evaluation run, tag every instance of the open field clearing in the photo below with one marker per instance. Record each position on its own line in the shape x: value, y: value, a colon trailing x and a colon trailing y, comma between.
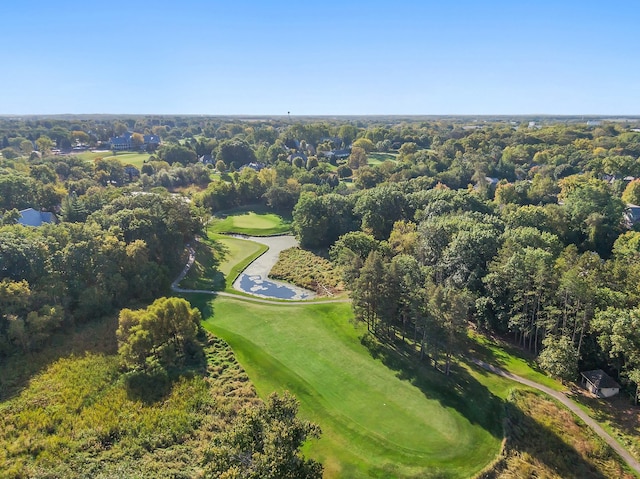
x: 125, y: 157
x: 378, y: 158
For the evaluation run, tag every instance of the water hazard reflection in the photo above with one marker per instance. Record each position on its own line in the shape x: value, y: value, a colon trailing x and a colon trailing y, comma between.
x: 261, y: 287
x: 255, y: 278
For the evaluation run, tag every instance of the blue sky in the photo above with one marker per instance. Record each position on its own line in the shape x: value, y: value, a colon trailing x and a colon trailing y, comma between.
x: 320, y: 58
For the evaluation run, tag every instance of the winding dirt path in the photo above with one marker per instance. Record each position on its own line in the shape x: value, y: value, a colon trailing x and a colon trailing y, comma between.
x: 628, y: 458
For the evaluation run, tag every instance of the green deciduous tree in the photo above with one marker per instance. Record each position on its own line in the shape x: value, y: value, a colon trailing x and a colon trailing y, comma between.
x: 596, y: 214
x: 358, y: 158
x: 235, y: 152
x: 380, y: 208
x: 619, y: 336
x: 559, y: 357
x: 264, y: 442
x: 631, y: 193
x: 364, y: 143
x: 177, y: 154
x: 161, y: 334
x: 44, y: 144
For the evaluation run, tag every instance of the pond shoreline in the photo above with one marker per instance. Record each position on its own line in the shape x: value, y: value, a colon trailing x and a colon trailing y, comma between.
x: 254, y: 279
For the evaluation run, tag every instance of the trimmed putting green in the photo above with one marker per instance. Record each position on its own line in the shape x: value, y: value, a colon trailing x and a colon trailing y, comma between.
x: 253, y: 223
x: 377, y: 420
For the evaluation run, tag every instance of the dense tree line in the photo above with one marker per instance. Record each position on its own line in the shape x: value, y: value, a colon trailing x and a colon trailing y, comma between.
x: 127, y: 250
x: 561, y: 282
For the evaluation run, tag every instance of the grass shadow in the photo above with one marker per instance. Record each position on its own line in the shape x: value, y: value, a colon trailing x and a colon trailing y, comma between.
x: 156, y: 384
x: 500, y: 352
x: 528, y: 437
x: 205, y: 273
x: 97, y: 336
x: 460, y: 390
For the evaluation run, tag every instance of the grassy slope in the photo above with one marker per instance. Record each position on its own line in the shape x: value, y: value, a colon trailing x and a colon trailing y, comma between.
x: 507, y: 357
x: 375, y: 424
x: 545, y: 440
x: 618, y: 416
x: 219, y: 261
x: 476, y: 390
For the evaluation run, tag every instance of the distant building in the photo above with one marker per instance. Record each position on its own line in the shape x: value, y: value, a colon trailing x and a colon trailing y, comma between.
x: 336, y: 155
x: 123, y: 142
x: 256, y: 166
x: 631, y: 214
x: 31, y: 217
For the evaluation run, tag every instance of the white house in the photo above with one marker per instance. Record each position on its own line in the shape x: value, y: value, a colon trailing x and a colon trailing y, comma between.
x: 600, y: 383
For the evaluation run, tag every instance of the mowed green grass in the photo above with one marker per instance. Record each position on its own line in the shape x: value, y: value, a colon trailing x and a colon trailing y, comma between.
x: 377, y: 158
x: 219, y: 261
x: 238, y: 255
x: 510, y: 359
x: 376, y: 421
x: 254, y: 223
x: 126, y: 158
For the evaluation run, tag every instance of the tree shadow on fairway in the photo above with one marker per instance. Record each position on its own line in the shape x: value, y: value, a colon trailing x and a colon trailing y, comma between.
x: 205, y: 272
x: 460, y: 390
x: 203, y: 302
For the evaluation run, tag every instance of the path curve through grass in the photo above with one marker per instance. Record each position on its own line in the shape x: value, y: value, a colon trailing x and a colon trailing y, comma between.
x: 628, y: 458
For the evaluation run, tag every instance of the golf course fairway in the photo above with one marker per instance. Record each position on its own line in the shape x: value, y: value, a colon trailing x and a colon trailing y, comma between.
x: 376, y: 421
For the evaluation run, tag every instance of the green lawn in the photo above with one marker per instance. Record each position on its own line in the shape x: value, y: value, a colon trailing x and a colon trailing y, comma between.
x: 254, y: 222
x: 383, y: 417
x: 219, y: 261
x: 125, y: 157
x: 378, y: 158
x: 239, y: 254
x: 510, y: 359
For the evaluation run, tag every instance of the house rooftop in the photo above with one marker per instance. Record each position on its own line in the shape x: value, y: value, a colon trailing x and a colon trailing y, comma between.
x: 600, y: 379
x: 31, y: 217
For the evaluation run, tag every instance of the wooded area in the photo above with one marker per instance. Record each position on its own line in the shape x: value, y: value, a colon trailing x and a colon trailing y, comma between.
x: 525, y: 230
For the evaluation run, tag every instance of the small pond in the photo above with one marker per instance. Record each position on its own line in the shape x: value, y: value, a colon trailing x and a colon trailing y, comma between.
x: 268, y: 288
x: 255, y: 278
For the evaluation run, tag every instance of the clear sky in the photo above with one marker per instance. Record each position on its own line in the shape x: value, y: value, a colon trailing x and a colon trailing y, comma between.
x: 346, y: 57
